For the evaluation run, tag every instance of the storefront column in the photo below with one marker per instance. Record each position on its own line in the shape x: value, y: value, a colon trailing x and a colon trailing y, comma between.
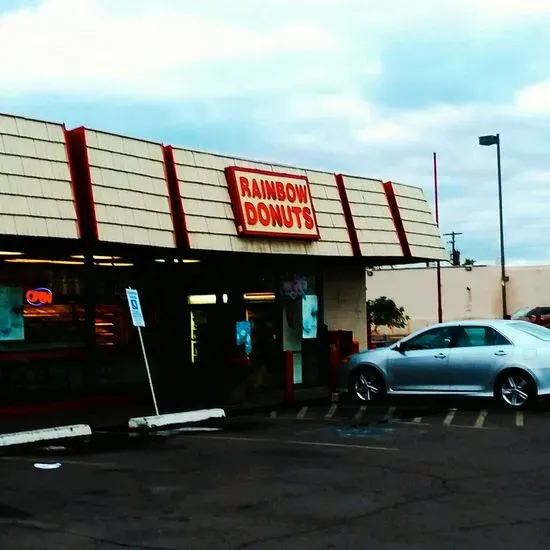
x: 89, y: 362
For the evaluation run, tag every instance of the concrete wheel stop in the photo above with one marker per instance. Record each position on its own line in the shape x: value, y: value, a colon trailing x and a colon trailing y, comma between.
x: 187, y: 419
x: 45, y: 434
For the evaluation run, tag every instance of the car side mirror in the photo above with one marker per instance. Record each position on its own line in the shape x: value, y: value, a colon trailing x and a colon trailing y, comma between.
x: 401, y: 348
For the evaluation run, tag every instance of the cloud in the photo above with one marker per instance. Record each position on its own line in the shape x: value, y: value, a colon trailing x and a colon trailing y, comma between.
x: 534, y: 99
x: 341, y: 85
x: 89, y: 48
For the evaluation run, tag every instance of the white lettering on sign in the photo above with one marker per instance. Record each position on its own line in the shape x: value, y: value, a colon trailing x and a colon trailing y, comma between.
x: 271, y: 204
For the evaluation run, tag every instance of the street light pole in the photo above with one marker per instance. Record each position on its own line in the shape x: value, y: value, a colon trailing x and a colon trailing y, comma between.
x: 495, y: 140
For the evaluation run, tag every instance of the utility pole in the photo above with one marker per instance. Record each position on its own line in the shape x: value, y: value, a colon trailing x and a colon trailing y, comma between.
x: 455, y: 254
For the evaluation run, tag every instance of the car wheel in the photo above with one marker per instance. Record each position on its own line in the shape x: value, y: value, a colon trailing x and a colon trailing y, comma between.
x: 515, y: 389
x: 367, y: 385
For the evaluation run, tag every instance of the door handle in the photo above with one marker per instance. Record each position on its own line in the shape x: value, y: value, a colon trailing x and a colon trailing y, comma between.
x: 440, y: 356
x: 500, y: 352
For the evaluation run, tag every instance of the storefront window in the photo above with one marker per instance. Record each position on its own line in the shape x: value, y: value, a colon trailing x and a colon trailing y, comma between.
x: 40, y: 308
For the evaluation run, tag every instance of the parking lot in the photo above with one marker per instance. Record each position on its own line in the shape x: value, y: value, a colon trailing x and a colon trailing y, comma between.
x: 320, y: 477
x: 474, y: 414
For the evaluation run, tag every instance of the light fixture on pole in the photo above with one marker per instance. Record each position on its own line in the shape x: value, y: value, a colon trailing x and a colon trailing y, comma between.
x: 488, y: 141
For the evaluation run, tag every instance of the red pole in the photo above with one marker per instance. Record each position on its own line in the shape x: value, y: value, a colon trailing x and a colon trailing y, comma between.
x: 289, y: 376
x: 438, y: 267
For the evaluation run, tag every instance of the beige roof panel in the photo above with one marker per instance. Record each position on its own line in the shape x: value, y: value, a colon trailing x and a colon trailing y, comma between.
x: 422, y: 232
x: 209, y: 215
x: 372, y: 217
x: 131, y: 197
x: 36, y: 197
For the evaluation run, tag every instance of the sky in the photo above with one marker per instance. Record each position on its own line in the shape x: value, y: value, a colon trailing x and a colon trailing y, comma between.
x: 353, y: 86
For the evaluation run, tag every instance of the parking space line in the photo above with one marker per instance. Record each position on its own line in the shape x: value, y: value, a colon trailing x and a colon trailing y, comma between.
x: 331, y: 411
x: 301, y: 415
x: 449, y: 418
x: 389, y: 415
x: 519, y: 419
x: 481, y: 419
x: 417, y: 419
x: 273, y: 414
x: 297, y: 442
x: 360, y: 413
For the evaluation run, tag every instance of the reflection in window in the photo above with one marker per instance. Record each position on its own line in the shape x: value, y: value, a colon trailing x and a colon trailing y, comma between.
x: 436, y: 338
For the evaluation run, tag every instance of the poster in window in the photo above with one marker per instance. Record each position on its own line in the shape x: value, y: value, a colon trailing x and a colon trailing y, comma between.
x: 244, y: 335
x: 12, y: 324
x: 310, y: 308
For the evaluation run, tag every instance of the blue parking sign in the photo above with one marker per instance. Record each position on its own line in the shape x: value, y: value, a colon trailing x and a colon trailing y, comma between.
x: 135, y: 307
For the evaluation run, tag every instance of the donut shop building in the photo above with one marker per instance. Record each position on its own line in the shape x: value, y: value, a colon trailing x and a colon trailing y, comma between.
x: 236, y: 262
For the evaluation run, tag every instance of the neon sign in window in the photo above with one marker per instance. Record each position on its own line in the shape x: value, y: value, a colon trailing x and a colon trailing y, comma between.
x: 39, y: 297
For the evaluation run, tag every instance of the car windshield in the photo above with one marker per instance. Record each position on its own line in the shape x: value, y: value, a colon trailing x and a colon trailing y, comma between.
x: 522, y: 312
x: 537, y: 331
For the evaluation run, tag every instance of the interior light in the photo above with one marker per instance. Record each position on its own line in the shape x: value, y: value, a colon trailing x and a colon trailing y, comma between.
x: 80, y: 257
x: 225, y: 298
x: 160, y: 260
x: 259, y: 296
x: 8, y: 253
x: 190, y: 261
x: 40, y: 261
x: 201, y: 299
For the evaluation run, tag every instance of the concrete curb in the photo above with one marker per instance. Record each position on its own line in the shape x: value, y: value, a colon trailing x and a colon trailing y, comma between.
x: 45, y: 434
x: 171, y: 419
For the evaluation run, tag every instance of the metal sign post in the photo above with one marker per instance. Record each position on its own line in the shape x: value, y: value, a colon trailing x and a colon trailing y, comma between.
x: 139, y: 322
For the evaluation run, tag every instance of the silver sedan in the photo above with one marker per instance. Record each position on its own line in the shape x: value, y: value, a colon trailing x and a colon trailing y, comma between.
x: 505, y: 360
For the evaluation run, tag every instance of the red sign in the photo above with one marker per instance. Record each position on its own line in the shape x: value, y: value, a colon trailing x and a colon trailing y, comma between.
x: 271, y: 204
x: 39, y: 297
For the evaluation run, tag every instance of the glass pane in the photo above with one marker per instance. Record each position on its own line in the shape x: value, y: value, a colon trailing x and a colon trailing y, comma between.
x: 432, y: 339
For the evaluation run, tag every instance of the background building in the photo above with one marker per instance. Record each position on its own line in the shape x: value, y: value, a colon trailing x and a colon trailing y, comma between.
x: 469, y: 292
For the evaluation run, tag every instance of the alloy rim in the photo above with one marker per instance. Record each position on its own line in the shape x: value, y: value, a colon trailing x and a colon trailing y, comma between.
x: 367, y: 387
x: 515, y: 390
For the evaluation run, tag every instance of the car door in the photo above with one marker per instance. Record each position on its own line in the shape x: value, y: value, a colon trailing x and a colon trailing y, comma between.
x: 422, y: 365
x: 477, y: 354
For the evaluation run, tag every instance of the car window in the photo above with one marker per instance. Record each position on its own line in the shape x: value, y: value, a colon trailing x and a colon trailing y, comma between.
x: 475, y: 336
x: 435, y: 338
x: 544, y: 311
x: 537, y: 331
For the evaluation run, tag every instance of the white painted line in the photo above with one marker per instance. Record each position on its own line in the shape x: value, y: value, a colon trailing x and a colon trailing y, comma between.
x: 46, y: 434
x: 301, y: 415
x: 519, y: 419
x: 331, y: 411
x: 449, y: 418
x: 417, y: 420
x: 175, y: 418
x: 360, y: 413
x: 89, y: 464
x: 481, y: 419
x: 295, y: 442
x: 273, y: 414
x: 389, y: 415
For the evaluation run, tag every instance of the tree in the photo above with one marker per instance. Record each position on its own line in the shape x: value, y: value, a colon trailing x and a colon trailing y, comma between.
x: 384, y: 312
x: 469, y: 261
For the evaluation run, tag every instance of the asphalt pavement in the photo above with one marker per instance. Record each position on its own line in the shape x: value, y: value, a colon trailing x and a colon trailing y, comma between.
x: 319, y: 478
